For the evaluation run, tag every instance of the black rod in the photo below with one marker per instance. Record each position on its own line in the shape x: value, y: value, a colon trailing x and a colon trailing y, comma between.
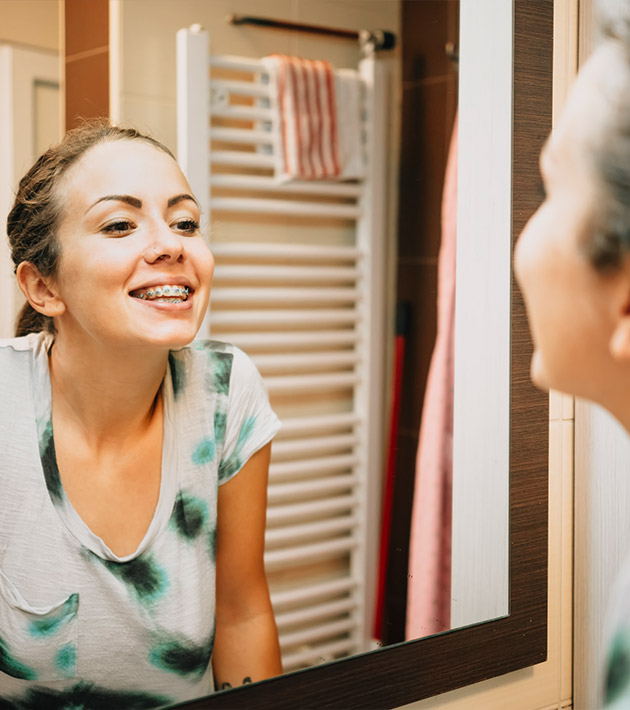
x: 382, y: 39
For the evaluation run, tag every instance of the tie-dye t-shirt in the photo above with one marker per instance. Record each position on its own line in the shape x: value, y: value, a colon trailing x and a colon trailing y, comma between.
x: 79, y: 626
x: 615, y: 684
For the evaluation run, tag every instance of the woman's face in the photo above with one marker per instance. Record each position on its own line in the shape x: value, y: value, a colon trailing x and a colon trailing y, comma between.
x: 130, y: 226
x: 574, y: 311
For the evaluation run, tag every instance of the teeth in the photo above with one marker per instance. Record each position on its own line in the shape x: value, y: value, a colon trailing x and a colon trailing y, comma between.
x: 171, y: 293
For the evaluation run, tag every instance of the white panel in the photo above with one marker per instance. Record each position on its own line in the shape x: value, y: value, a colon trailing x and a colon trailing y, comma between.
x: 314, y: 613
x: 192, y: 117
x: 602, y: 536
x: 313, y: 593
x: 260, y: 182
x: 293, y: 469
x: 297, y: 252
x: 300, y: 554
x: 280, y: 207
x: 482, y: 315
x: 327, y: 506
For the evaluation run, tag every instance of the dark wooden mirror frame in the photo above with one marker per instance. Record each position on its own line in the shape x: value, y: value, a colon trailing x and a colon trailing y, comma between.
x: 407, y: 672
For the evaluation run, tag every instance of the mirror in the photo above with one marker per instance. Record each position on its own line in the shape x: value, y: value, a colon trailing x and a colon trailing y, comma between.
x: 413, y: 670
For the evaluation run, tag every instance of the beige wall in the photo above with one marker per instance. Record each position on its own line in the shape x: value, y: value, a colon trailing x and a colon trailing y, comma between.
x: 143, y: 39
x: 30, y: 22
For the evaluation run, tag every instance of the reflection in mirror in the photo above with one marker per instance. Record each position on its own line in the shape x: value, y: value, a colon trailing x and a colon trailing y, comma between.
x: 291, y: 291
x: 316, y: 353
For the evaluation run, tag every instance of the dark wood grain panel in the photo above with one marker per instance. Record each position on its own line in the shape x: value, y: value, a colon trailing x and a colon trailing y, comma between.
x: 415, y: 670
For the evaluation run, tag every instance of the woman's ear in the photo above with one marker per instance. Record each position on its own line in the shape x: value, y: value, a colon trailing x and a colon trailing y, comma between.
x: 38, y: 290
x: 619, y: 344
x: 620, y: 340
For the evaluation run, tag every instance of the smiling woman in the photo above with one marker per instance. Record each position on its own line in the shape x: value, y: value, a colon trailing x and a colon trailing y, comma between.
x: 123, y: 445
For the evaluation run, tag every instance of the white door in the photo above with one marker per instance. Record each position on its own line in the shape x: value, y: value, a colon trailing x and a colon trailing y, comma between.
x: 30, y: 121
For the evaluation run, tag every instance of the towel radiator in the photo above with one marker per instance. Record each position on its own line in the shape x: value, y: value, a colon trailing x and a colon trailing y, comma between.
x: 300, y: 286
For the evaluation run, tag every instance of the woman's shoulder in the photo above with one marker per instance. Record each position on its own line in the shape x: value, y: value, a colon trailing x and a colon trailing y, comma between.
x: 31, y: 343
x: 215, y: 361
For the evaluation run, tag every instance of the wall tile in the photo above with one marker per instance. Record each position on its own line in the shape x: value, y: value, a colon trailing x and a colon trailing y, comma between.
x: 158, y: 117
x: 425, y: 139
x: 417, y: 286
x: 566, y: 624
x: 87, y: 25
x: 395, y: 612
x: 347, y: 15
x: 87, y: 88
x: 434, y: 22
x: 555, y: 405
x: 30, y: 22
x: 148, y: 40
x: 568, y: 407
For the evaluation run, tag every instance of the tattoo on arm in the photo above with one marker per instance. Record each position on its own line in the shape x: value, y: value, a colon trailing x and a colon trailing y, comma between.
x: 225, y: 686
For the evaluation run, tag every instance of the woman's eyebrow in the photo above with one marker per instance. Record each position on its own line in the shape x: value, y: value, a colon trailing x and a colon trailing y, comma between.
x: 133, y: 201
x: 137, y: 203
x: 179, y: 198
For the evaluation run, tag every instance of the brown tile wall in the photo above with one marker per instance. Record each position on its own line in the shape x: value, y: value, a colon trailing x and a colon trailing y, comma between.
x: 86, y: 59
x: 429, y: 103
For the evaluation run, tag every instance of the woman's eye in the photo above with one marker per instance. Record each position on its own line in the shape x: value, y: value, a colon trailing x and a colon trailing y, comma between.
x: 542, y: 193
x: 187, y: 226
x: 122, y: 226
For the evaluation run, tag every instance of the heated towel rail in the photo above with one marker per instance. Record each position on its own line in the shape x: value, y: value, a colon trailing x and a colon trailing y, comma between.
x: 300, y: 286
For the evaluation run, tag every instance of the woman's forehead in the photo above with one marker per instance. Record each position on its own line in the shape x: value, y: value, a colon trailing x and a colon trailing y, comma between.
x: 132, y: 167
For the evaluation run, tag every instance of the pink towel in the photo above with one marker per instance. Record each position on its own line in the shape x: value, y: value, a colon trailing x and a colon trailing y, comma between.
x: 429, y: 586
x: 308, y: 118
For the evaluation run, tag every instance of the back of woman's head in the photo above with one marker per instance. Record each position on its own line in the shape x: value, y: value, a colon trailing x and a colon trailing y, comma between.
x: 610, y: 152
x: 37, y: 211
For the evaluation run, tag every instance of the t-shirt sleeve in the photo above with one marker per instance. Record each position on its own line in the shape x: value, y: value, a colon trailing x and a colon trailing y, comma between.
x: 250, y: 421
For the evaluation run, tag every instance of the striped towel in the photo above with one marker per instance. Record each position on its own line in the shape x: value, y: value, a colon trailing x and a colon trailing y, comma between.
x: 310, y: 120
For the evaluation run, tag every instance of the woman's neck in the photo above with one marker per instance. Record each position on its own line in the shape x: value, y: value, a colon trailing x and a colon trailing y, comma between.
x: 110, y: 394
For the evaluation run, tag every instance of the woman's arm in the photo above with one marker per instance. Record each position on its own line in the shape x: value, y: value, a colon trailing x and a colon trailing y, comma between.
x: 246, y: 645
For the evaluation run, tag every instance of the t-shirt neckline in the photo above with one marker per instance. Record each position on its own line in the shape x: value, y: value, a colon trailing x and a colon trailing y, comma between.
x: 70, y: 518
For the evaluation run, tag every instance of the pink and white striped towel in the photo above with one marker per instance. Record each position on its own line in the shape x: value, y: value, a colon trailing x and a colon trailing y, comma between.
x: 309, y: 114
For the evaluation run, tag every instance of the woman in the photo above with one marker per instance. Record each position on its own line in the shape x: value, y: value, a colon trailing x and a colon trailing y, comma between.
x: 573, y: 265
x: 134, y: 466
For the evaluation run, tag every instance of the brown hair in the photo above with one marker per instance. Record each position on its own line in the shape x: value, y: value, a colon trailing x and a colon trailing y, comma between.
x: 38, y: 208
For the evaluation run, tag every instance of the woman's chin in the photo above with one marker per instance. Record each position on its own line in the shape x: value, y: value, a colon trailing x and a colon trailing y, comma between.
x: 538, y: 372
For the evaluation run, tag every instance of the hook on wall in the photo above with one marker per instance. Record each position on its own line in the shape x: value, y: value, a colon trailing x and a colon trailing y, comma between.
x: 452, y: 52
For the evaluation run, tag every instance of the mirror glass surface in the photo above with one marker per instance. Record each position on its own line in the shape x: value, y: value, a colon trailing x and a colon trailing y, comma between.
x: 419, y: 81
x: 324, y: 550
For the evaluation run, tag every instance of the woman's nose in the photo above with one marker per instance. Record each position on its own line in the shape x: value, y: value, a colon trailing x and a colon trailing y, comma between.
x: 164, y: 244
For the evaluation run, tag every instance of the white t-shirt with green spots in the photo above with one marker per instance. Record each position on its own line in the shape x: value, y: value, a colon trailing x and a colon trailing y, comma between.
x: 79, y: 626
